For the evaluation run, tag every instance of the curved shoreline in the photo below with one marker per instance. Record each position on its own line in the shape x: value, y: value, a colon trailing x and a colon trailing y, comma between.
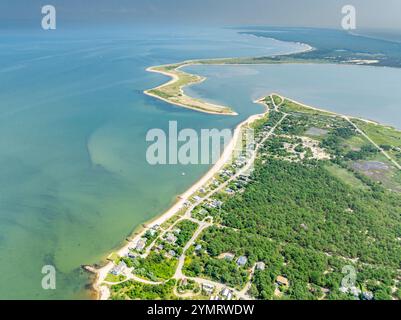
x: 177, y: 96
x: 101, y: 273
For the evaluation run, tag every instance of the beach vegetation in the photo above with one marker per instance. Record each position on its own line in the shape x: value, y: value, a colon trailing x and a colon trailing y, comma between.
x: 156, y: 267
x: 132, y: 290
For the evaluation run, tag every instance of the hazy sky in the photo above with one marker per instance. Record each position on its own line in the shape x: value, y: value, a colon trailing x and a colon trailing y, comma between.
x: 326, y: 13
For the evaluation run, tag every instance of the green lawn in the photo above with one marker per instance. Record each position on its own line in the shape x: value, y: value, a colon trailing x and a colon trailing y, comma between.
x: 290, y: 106
x: 356, y: 142
x: 277, y: 99
x: 345, y: 176
x: 138, y: 291
x: 156, y: 267
x: 112, y: 278
x: 380, y: 134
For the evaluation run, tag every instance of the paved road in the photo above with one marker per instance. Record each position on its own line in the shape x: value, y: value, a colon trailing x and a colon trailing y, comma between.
x: 178, y: 273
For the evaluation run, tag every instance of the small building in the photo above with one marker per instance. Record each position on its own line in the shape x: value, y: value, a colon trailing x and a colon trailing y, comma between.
x: 198, y: 247
x: 228, y: 256
x: 171, y: 254
x: 356, y: 292
x: 177, y: 231
x: 141, y: 244
x: 239, y: 163
x: 368, y: 296
x: 227, y: 294
x: 229, y: 173
x: 197, y: 198
x: 325, y: 290
x: 260, y: 266
x: 119, y: 269
x: 171, y: 238
x: 230, y: 191
x: 244, y: 178
x: 281, y: 281
x: 208, y: 288
x: 203, y: 212
x: 216, y: 204
x: 242, y: 261
x: 132, y: 255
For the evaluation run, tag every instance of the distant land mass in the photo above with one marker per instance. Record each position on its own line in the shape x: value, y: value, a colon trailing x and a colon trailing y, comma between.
x: 336, y: 45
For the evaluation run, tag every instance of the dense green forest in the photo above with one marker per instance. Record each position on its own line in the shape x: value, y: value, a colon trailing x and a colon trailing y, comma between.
x: 322, y: 203
x: 305, y: 223
x: 138, y: 291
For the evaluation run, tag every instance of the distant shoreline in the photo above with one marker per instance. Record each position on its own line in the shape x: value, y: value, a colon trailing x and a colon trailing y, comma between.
x: 173, y: 93
x: 180, y: 98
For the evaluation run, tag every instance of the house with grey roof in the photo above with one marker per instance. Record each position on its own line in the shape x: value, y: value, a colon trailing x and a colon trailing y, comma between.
x: 260, y: 266
x: 171, y: 238
x: 141, y: 244
x: 242, y: 261
x: 119, y: 269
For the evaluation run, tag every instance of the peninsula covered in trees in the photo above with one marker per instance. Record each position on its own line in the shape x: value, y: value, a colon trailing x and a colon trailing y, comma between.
x: 322, y: 205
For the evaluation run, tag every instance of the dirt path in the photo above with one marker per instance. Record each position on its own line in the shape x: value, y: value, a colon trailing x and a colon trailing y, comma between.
x: 372, y: 142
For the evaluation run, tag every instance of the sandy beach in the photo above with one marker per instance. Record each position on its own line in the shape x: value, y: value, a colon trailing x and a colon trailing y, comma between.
x: 181, y: 99
x: 101, y: 274
x: 103, y: 292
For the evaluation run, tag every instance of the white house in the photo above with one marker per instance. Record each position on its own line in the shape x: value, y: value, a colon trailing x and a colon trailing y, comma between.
x: 118, y: 270
x: 208, y: 288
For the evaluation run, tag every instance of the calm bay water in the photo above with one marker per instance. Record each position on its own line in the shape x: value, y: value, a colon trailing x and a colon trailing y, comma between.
x: 74, y: 180
x: 364, y: 91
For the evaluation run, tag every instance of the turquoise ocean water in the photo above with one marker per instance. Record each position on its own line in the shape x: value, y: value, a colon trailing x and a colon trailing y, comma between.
x: 74, y: 181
